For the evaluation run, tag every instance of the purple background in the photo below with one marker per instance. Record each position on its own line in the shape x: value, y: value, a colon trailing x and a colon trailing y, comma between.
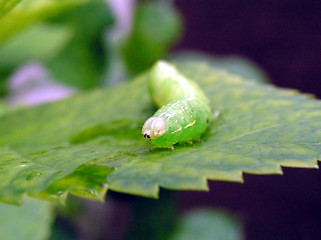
x: 284, y: 38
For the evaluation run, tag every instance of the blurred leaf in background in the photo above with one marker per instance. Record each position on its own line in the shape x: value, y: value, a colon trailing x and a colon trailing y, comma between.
x: 82, y: 61
x: 40, y: 42
x: 156, y: 28
x: 208, y: 224
x: 29, y: 12
x: 3, y: 108
x: 3, y: 82
x: 7, y: 5
x: 66, y: 36
x: 233, y: 64
x: 69, y: 38
x: 31, y: 221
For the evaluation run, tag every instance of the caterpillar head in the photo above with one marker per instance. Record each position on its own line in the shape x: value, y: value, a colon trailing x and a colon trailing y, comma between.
x: 154, y: 127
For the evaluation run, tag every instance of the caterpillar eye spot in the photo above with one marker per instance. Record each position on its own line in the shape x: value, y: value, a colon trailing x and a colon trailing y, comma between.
x: 146, y: 135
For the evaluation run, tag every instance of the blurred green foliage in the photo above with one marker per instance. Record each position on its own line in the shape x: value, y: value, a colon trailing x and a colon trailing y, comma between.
x: 71, y: 38
x: 7, y: 5
x: 3, y: 108
x: 156, y: 27
x: 40, y: 42
x: 233, y: 64
x: 31, y: 221
x: 208, y: 224
x: 4, y: 74
x: 82, y: 61
x: 70, y: 43
x: 30, y: 12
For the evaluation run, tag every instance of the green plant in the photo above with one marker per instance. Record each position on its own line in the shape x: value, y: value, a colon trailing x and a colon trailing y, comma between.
x: 91, y: 142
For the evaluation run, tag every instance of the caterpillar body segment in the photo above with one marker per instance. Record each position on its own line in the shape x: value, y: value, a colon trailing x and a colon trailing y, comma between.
x: 184, y: 112
x: 166, y: 84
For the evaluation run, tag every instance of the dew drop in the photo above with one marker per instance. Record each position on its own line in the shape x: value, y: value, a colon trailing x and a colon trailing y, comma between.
x: 92, y: 192
x: 216, y: 114
x: 33, y: 175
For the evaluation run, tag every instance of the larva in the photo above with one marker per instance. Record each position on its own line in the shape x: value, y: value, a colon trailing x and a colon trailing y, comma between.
x: 184, y: 112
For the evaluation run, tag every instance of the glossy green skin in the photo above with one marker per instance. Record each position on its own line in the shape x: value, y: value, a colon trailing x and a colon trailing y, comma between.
x: 166, y: 85
x: 182, y: 104
x: 187, y: 120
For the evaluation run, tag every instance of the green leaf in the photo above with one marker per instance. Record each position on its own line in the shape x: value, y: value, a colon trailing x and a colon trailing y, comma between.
x: 30, y: 221
x: 92, y: 141
x: 207, y: 224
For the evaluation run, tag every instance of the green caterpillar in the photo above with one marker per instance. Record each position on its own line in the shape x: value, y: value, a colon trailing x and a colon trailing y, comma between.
x: 184, y: 112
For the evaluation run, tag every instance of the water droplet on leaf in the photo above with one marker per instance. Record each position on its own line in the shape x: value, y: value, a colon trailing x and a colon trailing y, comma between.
x: 33, y: 175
